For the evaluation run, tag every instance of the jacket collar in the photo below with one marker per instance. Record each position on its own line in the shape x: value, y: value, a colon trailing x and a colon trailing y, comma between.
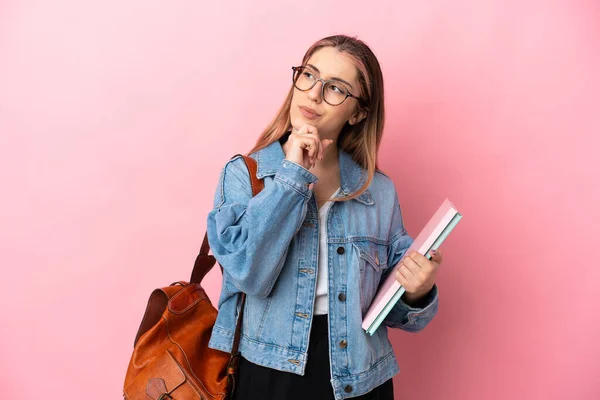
x: 352, y: 175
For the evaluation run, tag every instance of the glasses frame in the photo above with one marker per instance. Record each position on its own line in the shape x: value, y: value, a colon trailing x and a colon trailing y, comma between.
x: 323, y: 81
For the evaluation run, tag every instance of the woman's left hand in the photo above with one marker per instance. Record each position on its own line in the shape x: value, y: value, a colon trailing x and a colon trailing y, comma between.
x: 416, y: 273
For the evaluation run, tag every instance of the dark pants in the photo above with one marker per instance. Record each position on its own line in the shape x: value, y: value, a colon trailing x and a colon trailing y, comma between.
x: 257, y: 382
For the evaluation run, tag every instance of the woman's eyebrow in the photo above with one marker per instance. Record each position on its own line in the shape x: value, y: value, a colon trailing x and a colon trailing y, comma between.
x: 332, y: 79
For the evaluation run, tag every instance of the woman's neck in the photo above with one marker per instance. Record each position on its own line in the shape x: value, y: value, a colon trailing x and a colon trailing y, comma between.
x: 330, y: 157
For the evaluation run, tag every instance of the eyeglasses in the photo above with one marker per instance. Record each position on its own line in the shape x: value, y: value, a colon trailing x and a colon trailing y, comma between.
x: 333, y: 92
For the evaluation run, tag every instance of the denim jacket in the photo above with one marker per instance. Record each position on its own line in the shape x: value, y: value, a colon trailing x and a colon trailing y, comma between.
x: 268, y: 247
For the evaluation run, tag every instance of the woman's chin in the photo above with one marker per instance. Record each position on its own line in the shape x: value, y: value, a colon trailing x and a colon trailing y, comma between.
x: 298, y: 121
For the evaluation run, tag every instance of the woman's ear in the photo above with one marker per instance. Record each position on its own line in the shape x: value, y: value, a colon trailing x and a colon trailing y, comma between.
x: 358, y: 116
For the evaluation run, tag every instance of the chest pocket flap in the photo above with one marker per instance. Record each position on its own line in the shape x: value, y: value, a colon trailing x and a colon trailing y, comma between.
x: 374, y: 253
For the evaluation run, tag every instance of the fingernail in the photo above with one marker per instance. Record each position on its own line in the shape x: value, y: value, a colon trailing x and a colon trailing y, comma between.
x: 433, y: 252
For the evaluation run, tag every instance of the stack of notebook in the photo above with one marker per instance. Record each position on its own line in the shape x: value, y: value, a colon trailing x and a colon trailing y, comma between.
x: 430, y: 238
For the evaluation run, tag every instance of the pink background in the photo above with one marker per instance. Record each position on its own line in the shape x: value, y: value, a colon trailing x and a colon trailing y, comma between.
x: 116, y: 117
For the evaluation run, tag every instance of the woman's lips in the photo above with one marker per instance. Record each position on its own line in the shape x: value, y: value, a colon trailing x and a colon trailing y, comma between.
x: 309, y: 113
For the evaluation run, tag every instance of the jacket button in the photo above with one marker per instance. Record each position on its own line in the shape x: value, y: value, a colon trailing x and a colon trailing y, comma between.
x: 348, y: 389
x: 340, y: 250
x: 343, y: 344
x: 341, y: 297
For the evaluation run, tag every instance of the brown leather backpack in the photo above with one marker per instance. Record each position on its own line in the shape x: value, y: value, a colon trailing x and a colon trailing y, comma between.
x: 171, y: 358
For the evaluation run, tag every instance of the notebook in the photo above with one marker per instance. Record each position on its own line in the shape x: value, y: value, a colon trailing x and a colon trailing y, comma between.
x: 430, y: 238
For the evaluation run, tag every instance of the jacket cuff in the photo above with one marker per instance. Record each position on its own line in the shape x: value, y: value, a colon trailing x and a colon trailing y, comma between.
x: 414, y: 313
x: 296, y: 176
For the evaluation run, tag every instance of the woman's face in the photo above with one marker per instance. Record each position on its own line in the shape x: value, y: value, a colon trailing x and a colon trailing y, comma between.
x: 308, y: 106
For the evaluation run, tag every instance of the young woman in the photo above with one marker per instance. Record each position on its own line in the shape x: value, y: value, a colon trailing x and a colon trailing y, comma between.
x: 311, y: 249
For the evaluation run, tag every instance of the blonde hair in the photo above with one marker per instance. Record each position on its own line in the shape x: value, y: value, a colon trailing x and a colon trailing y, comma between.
x: 361, y: 140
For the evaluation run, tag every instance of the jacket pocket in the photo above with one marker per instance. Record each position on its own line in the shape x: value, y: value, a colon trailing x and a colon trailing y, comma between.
x: 162, y: 378
x: 373, y: 253
x: 372, y: 261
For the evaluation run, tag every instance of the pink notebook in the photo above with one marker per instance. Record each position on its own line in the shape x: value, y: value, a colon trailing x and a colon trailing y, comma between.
x: 432, y: 235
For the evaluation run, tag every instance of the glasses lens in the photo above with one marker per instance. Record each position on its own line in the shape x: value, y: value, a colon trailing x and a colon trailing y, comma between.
x: 334, y: 93
x: 304, y: 79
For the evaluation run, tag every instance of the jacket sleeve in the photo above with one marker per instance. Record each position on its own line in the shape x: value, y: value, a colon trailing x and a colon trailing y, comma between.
x: 249, y: 236
x: 403, y: 316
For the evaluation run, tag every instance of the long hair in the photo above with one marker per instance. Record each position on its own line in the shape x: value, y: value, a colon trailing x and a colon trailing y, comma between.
x: 361, y: 140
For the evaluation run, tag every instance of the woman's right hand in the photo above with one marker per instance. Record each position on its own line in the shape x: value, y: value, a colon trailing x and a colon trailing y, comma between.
x: 304, y: 146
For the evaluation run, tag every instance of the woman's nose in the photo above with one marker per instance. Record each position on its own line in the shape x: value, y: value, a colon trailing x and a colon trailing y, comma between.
x: 316, y: 92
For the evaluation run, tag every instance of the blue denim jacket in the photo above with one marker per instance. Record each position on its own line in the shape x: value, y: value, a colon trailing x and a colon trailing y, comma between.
x: 268, y: 246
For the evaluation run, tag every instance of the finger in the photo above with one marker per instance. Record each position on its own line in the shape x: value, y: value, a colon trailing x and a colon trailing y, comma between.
x: 313, y: 132
x: 303, y: 130
x: 404, y: 276
x: 309, y: 130
x: 314, y: 148
x: 305, y: 148
x: 324, y: 145
x: 436, y: 257
x: 309, y: 144
x: 318, y: 149
x: 318, y: 145
x: 410, y: 261
x: 401, y: 278
x: 422, y: 261
x: 321, y: 149
x: 417, y: 257
x: 406, y: 271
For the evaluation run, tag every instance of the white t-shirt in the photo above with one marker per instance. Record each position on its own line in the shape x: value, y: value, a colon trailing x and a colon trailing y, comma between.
x: 321, y: 302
